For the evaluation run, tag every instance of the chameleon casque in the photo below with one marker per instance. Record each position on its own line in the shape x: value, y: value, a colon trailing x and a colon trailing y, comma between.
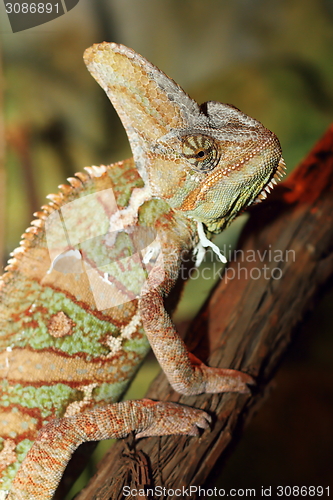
x: 82, y: 298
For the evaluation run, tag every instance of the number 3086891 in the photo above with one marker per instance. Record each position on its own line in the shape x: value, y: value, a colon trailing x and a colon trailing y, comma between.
x: 31, y: 8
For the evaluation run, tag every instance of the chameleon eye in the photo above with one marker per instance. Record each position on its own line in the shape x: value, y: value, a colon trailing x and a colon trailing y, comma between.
x: 201, y: 151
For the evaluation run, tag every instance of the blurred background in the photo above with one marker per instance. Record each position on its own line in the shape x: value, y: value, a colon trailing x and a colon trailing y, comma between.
x: 273, y: 59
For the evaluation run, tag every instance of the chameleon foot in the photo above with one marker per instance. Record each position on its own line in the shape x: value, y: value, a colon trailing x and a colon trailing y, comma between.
x: 226, y: 380
x: 172, y: 418
x: 194, y: 377
x: 43, y: 467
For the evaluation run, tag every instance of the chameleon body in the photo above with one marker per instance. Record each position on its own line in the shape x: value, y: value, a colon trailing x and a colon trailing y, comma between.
x: 82, y: 299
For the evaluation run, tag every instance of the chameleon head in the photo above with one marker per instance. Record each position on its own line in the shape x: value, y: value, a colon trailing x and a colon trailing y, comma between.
x: 209, y: 161
x: 225, y: 162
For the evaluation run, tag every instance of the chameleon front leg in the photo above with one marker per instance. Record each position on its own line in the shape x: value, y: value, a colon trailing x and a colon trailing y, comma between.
x: 185, y: 372
x: 43, y: 467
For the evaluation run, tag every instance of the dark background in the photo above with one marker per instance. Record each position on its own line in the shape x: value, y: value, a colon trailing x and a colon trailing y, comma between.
x: 274, y: 60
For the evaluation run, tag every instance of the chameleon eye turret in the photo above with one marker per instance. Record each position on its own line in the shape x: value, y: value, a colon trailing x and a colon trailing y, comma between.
x: 201, y: 151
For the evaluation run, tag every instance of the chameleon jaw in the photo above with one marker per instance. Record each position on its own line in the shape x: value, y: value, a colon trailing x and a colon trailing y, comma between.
x: 276, y: 177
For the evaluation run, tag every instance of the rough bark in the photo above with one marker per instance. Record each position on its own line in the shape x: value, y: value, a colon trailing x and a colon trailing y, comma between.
x: 247, y: 324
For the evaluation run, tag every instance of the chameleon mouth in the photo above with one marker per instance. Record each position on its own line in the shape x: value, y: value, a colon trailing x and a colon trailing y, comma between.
x: 276, y: 177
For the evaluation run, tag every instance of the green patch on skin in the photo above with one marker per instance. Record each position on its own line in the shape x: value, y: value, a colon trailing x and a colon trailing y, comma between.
x: 22, y: 449
x: 110, y: 393
x: 138, y: 345
x: 50, y: 400
x: 151, y: 211
x: 9, y: 473
x: 86, y: 334
x: 121, y: 262
x: 102, y: 254
x: 26, y: 292
x: 124, y: 184
x: 131, y: 273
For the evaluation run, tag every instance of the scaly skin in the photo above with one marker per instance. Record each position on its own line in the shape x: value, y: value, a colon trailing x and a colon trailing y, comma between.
x: 84, y: 293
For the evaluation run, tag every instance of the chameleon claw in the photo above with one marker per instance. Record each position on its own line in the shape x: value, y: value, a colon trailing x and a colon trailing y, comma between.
x: 227, y: 380
x: 175, y: 419
x: 205, y: 421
